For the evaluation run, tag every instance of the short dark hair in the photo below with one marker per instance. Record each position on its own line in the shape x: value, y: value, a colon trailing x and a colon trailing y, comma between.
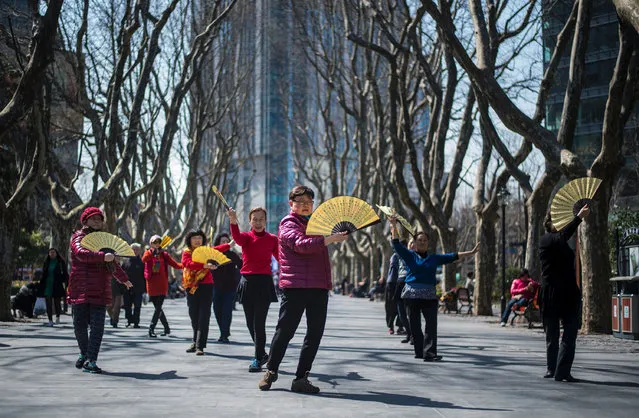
x: 523, y: 272
x: 298, y: 191
x: 470, y: 274
x: 424, y: 233
x: 218, y: 239
x: 187, y: 239
x: 257, y: 209
x: 548, y: 225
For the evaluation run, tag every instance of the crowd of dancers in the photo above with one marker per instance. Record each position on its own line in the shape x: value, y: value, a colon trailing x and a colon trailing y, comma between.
x: 304, y: 284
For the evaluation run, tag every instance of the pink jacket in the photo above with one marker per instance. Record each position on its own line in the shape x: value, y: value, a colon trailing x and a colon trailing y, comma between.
x: 90, y: 280
x: 519, y: 288
x: 303, y: 258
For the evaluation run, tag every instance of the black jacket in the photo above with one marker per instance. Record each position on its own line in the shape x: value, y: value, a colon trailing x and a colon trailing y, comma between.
x: 559, y: 291
x: 60, y: 278
x: 134, y: 268
x: 227, y: 276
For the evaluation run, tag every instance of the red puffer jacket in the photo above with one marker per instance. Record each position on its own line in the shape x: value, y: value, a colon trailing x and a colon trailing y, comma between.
x: 90, y: 281
x: 303, y: 258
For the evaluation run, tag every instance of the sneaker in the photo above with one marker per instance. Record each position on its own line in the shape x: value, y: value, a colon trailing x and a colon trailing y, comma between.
x: 267, y: 380
x: 401, y: 331
x: 502, y: 324
x: 91, y: 367
x: 303, y: 385
x: 191, y: 349
x: 80, y: 361
x: 433, y: 358
x: 255, y: 366
x: 391, y: 331
x: 50, y: 323
x: 57, y: 320
x: 264, y: 359
x: 199, y: 352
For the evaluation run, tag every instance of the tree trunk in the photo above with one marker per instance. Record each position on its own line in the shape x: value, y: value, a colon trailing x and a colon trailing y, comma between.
x: 449, y: 245
x: 8, y: 230
x: 485, y: 263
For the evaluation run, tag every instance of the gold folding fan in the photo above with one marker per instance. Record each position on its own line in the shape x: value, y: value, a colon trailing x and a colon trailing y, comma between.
x: 219, y: 195
x: 341, y: 214
x: 388, y: 211
x: 107, y: 243
x: 571, y: 198
x: 166, y: 240
x: 206, y: 255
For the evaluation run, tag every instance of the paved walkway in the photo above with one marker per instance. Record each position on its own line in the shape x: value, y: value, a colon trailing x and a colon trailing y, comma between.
x: 487, y: 371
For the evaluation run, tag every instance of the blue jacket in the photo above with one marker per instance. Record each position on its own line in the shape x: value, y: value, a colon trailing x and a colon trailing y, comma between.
x: 421, y: 270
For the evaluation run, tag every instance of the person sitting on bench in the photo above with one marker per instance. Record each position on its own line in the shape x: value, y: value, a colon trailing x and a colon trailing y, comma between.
x: 522, y: 291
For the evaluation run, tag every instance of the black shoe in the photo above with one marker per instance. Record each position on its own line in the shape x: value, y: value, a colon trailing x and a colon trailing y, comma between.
x: 128, y: 325
x: 433, y: 358
x: 91, y: 367
x: 568, y: 379
x: 549, y: 375
x: 223, y: 340
x: 152, y: 333
x: 80, y: 361
x: 419, y: 356
x: 405, y: 340
x: 264, y: 360
x: 191, y: 349
x: 412, y: 341
x: 136, y: 326
x: 166, y: 332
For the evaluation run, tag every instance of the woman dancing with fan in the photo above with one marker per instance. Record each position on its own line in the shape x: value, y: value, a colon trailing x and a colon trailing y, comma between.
x: 419, y: 292
x: 305, y: 280
x: 256, y: 287
x: 89, y: 290
x: 156, y: 272
x: 198, y: 281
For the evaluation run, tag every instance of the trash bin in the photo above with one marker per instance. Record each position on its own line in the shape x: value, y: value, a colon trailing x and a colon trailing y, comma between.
x: 625, y: 307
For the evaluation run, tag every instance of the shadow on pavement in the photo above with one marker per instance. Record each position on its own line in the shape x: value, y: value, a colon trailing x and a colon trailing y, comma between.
x: 615, y: 384
x: 401, y: 400
x: 170, y: 375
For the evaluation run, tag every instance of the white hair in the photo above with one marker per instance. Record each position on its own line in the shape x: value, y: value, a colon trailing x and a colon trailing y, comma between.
x: 135, y: 246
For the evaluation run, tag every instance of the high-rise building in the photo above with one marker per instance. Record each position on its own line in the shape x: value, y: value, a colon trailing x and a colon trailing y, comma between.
x: 601, y: 56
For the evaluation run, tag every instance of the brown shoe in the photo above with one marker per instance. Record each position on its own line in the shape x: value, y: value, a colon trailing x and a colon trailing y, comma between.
x: 303, y: 385
x: 267, y: 380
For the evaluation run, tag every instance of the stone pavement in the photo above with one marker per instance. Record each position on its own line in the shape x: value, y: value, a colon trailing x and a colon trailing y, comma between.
x: 487, y: 371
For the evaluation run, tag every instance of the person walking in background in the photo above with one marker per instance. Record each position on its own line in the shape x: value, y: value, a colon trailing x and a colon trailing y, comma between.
x: 53, y: 284
x: 225, y: 281
x: 390, y: 304
x: 156, y: 272
x: 419, y: 294
x: 89, y: 290
x: 256, y: 289
x: 198, y: 282
x: 522, y: 292
x: 134, y: 268
x: 399, y: 288
x: 113, y: 309
x: 305, y: 281
x: 559, y: 297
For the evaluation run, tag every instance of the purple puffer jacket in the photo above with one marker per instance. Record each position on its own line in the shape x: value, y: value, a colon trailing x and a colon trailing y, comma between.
x: 303, y: 258
x: 90, y: 281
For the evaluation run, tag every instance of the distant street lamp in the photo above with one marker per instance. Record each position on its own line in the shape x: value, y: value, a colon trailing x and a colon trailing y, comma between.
x: 502, y: 198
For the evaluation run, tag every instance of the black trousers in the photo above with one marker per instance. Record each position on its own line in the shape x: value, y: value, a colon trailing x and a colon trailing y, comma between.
x: 53, y: 304
x: 390, y: 305
x: 132, y: 306
x: 426, y: 342
x: 401, y: 308
x: 293, y: 304
x: 200, y: 313
x: 255, y: 312
x: 157, y: 302
x: 559, y: 356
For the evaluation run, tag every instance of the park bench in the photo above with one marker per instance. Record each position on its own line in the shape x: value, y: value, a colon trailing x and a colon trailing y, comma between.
x: 530, y: 312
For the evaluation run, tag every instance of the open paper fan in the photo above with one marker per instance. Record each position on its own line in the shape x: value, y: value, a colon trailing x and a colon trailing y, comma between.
x: 388, y: 211
x: 341, y: 214
x: 571, y: 198
x: 166, y: 240
x: 206, y: 255
x: 107, y: 243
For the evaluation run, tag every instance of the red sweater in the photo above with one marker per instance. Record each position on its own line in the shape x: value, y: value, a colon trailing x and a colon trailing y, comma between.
x: 257, y: 249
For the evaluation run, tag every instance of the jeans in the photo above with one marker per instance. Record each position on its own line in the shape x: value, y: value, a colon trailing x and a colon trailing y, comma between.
x: 426, y: 342
x: 200, y: 313
x: 293, y: 304
x: 223, y: 302
x: 85, y: 316
x: 511, y: 303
